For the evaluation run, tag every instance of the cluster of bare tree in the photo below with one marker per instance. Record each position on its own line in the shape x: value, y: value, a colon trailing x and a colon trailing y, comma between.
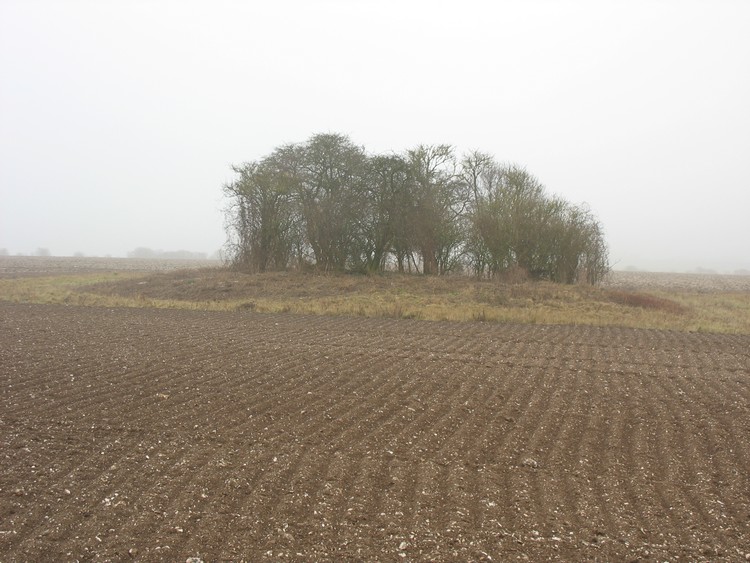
x: 328, y: 204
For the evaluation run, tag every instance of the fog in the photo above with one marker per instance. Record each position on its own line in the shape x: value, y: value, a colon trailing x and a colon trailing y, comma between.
x: 119, y: 120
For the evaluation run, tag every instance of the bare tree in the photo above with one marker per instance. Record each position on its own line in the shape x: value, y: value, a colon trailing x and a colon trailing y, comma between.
x: 440, y: 202
x: 516, y: 224
x: 481, y: 174
x: 332, y: 194
x: 262, y: 215
x: 384, y: 223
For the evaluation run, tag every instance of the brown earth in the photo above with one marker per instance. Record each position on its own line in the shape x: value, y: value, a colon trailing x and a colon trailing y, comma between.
x: 150, y: 435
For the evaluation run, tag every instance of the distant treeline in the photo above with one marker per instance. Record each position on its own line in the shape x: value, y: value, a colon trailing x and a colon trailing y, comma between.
x: 329, y: 205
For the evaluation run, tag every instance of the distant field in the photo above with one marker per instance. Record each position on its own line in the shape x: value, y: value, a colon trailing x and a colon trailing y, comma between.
x: 702, y: 283
x: 15, y: 266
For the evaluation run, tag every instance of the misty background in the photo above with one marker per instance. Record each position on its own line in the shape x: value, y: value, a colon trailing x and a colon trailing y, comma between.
x: 119, y: 121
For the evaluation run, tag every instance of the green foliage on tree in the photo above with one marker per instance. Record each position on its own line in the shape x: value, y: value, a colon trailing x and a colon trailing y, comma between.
x: 329, y: 205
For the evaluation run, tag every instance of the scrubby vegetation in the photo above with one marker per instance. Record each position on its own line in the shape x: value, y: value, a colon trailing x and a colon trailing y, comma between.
x: 329, y: 205
x: 681, y: 302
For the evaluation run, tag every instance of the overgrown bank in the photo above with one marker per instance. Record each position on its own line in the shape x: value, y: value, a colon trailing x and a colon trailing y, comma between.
x: 436, y: 298
x: 681, y: 302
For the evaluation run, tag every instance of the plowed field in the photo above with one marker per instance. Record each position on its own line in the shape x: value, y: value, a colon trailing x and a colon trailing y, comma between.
x: 149, y: 435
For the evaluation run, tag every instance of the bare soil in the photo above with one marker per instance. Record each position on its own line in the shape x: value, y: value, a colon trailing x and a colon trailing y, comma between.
x: 151, y: 435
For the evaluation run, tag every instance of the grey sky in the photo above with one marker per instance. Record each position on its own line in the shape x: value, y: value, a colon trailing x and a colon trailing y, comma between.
x: 119, y: 120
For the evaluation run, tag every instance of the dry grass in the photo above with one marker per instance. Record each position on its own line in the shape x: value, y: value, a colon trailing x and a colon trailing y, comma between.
x: 394, y: 296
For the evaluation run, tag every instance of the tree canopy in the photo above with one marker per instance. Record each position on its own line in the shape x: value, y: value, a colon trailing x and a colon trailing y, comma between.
x: 327, y: 204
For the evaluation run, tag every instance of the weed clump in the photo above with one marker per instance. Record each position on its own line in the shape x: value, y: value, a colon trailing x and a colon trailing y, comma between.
x: 646, y: 301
